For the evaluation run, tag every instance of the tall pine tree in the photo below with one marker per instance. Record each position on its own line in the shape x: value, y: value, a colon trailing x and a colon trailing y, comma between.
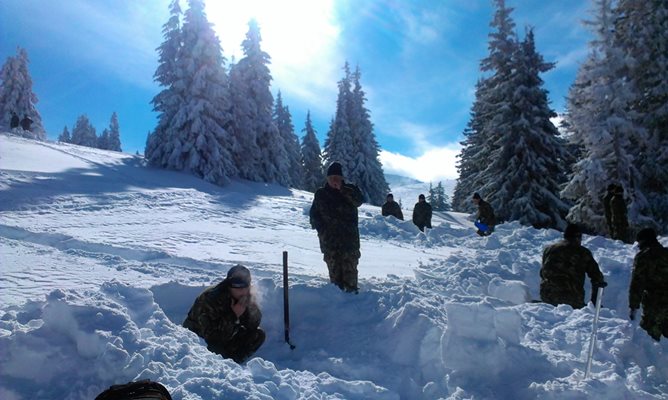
x: 311, y: 157
x: 283, y: 122
x: 83, y: 132
x: 65, y: 136
x: 114, y: 142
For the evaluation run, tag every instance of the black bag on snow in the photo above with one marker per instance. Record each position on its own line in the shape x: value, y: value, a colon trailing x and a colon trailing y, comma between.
x: 139, y: 390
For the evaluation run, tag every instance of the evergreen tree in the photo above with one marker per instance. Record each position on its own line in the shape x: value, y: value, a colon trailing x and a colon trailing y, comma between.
x: 103, y: 140
x: 283, y: 122
x: 196, y: 138
x: 114, y: 141
x: 83, y: 132
x: 16, y: 94
x: 603, y: 123
x: 311, y: 158
x: 262, y: 153
x: 640, y: 30
x: 65, y: 136
x: 339, y: 141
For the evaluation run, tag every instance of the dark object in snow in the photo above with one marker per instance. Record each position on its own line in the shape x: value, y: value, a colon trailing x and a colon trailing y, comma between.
x: 139, y: 390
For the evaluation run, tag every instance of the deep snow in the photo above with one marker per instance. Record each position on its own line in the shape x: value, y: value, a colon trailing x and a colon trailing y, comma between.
x: 102, y: 257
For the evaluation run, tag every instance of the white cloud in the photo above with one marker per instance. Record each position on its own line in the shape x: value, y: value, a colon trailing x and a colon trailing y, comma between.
x: 436, y: 164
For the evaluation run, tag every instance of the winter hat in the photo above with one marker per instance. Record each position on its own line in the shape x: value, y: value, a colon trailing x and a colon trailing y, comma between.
x: 335, y: 169
x: 646, y: 237
x: 421, y: 197
x: 477, y: 196
x: 572, y: 231
x: 239, y: 277
x: 619, y: 189
x: 611, y: 187
x: 390, y: 196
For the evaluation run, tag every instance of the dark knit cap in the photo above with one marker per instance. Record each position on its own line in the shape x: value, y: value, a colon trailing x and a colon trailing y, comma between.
x: 239, y: 277
x: 421, y: 196
x: 335, y: 169
x: 477, y: 196
x: 572, y: 231
x: 646, y: 236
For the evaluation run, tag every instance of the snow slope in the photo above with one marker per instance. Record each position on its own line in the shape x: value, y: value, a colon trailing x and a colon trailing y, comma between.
x: 102, y: 257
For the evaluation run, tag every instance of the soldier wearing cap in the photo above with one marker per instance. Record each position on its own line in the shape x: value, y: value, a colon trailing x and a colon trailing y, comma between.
x: 227, y: 317
x: 334, y: 215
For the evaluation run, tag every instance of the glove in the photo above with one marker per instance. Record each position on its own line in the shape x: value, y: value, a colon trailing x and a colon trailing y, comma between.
x: 632, y: 314
x: 601, y: 284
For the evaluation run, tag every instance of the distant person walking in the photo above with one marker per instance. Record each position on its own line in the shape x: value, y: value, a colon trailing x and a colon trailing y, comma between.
x: 14, y: 121
x: 619, y: 219
x: 422, y: 213
x: 649, y: 284
x: 564, y: 266
x: 227, y: 317
x: 606, y: 207
x: 26, y: 122
x: 485, y: 219
x: 334, y: 215
x: 391, y: 207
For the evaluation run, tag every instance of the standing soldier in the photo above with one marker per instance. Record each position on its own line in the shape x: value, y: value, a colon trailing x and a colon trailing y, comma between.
x: 606, y: 207
x: 619, y: 220
x: 422, y: 213
x: 391, y: 207
x: 565, y: 264
x: 26, y: 122
x: 334, y: 215
x: 227, y: 317
x: 485, y: 219
x: 649, y: 284
x: 14, y: 121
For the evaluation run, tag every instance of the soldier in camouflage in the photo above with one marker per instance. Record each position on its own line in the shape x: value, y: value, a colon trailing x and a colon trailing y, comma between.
x: 606, y: 207
x: 649, y: 284
x: 485, y: 219
x: 618, y: 216
x: 227, y: 317
x: 391, y: 207
x: 565, y: 264
x: 334, y: 215
x: 422, y: 213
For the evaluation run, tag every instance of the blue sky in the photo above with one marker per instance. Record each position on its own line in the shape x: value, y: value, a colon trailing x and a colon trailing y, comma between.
x: 419, y: 62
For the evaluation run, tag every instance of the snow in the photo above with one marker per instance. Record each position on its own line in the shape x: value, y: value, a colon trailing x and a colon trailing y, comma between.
x: 102, y: 257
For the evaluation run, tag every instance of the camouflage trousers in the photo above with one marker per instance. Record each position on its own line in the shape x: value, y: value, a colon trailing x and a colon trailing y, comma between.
x: 243, y: 345
x: 342, y: 268
x: 555, y: 295
x: 655, y: 323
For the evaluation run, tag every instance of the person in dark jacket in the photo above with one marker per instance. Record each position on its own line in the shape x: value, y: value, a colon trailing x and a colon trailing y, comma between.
x: 334, y: 215
x: 422, y: 213
x: 619, y: 219
x: 227, y: 317
x: 14, y: 121
x: 485, y: 219
x: 564, y: 266
x: 649, y: 284
x: 26, y: 122
x: 391, y: 207
x: 606, y: 206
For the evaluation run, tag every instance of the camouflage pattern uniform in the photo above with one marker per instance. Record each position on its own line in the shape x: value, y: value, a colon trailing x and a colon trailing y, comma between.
x: 334, y: 215
x: 392, y: 208
x: 422, y: 215
x: 565, y: 264
x: 618, y: 219
x: 211, y: 317
x: 607, y: 209
x: 649, y: 287
x: 486, y: 216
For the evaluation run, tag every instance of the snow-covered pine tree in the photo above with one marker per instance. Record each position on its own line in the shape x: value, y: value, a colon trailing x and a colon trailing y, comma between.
x: 114, y: 142
x: 339, y: 141
x: 262, y: 155
x: 166, y: 103
x: 16, y: 94
x: 65, y: 136
x: 283, y: 122
x: 83, y: 132
x: 529, y: 164
x: 641, y: 28
x: 311, y: 157
x: 603, y: 123
x: 103, y: 140
x: 367, y: 170
x: 197, y: 139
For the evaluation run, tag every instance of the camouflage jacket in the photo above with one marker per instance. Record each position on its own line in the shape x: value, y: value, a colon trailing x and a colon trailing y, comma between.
x: 422, y: 214
x: 334, y: 215
x: 564, y: 267
x: 649, y: 280
x: 211, y: 316
x: 392, y: 208
x: 618, y: 211
x: 486, y: 214
x: 606, y: 207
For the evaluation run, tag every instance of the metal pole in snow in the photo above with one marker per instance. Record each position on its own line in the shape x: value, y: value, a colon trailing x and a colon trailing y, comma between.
x: 592, y: 342
x: 286, y: 305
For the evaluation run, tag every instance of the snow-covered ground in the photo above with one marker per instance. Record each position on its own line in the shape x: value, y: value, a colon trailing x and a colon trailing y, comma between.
x: 102, y: 257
